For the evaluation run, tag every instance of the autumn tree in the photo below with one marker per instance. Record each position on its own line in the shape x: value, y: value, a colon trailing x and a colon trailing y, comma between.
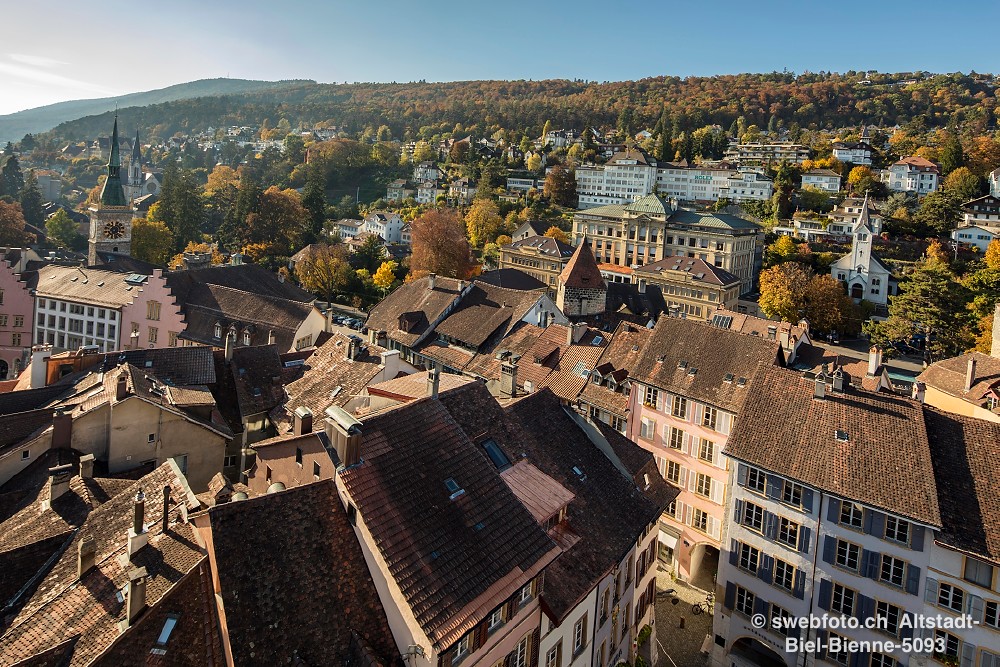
x: 533, y: 162
x: 560, y: 186
x: 324, y: 270
x: 782, y: 290
x: 221, y: 178
x: 280, y: 219
x: 177, y: 261
x: 483, y: 222
x: 459, y: 152
x: 825, y: 303
x: 422, y: 152
x: 558, y: 234
x: 62, y: 230
x: 862, y: 180
x: 152, y: 241
x: 782, y: 250
x: 992, y: 256
x: 440, y: 245
x: 963, y: 184
x: 385, y: 276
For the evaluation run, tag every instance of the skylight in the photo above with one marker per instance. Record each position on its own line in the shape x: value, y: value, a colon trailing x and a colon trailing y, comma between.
x: 841, y: 436
x: 168, y: 627
x: 496, y: 454
x: 453, y: 488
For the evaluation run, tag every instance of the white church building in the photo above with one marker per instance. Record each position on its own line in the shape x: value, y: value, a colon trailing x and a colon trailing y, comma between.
x: 861, y: 271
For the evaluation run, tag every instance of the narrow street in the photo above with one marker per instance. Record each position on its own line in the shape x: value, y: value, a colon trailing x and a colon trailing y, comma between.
x: 680, y: 647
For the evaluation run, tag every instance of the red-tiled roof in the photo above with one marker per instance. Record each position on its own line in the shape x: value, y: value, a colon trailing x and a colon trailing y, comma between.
x: 416, y: 300
x: 581, y: 271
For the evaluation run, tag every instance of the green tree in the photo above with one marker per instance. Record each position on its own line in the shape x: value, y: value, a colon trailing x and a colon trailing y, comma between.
x: 930, y: 302
x: 31, y: 202
x: 11, y: 178
x: 152, y: 241
x: 369, y: 255
x: 782, y: 250
x: 939, y: 212
x: 314, y: 201
x: 814, y: 199
x: 862, y: 180
x: 951, y: 155
x: 963, y: 184
x: 61, y: 230
x: 280, y: 220
x: 182, y: 206
x: 384, y: 134
x: 423, y: 152
x: 233, y: 234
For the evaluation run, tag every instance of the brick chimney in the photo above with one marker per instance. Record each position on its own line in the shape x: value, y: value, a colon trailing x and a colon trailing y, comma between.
x: 86, y: 555
x: 138, y: 536
x: 59, y: 477
x: 344, y: 433
x: 874, y: 360
x: 353, y: 349
x: 135, y: 598
x: 970, y: 374
x: 433, y: 381
x: 62, y: 429
x: 87, y: 466
x: 165, y: 517
x: 508, y: 379
x: 302, y: 420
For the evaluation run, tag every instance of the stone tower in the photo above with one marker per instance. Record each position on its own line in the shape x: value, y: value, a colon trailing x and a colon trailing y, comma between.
x: 111, y: 219
x: 582, y: 290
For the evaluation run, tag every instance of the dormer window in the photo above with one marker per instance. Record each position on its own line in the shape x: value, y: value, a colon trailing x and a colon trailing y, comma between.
x: 218, y: 330
x: 246, y: 337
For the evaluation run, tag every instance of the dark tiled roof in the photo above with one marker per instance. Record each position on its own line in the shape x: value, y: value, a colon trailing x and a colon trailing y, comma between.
x: 965, y: 457
x: 249, y: 384
x: 517, y: 343
x: 330, y: 379
x: 544, y: 245
x: 174, y: 365
x: 710, y: 275
x: 484, y: 311
x: 885, y: 462
x: 948, y: 375
x: 444, y: 553
x: 715, y: 353
x: 248, y: 278
x: 28, y: 399
x: 416, y: 300
x: 511, y: 279
x: 125, y: 263
x: 16, y: 428
x: 581, y: 271
x: 305, y: 589
x: 616, y: 363
x: 85, y: 285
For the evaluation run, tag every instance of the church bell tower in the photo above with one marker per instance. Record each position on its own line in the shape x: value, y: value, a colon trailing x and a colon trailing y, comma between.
x: 111, y: 219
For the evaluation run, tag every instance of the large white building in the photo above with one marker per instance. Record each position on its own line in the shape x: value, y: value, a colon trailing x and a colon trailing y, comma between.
x: 861, y: 271
x: 387, y: 225
x: 760, y: 154
x: 822, y: 179
x: 912, y: 174
x: 627, y: 176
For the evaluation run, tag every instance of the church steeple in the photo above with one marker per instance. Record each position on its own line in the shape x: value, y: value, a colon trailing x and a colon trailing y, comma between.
x: 112, y: 194
x: 136, y: 151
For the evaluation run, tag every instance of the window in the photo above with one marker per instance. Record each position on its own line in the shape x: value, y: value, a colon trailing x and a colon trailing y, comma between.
x: 744, y: 601
x: 18, y: 321
x: 951, y: 644
x: 151, y: 437
x: 710, y: 417
x: 699, y: 520
x: 3, y: 320
x: 316, y: 470
x: 951, y: 597
x: 753, y: 516
x: 246, y: 336
x: 652, y: 395
x: 267, y: 474
x: 579, y: 634
x: 462, y: 648
x: 991, y: 614
x: 892, y: 570
x: 780, y: 620
x: 792, y: 493
x: 706, y: 452
x: 851, y: 514
x: 788, y: 532
x: 230, y: 461
x: 704, y: 485
x: 171, y: 339
x: 153, y: 334
x: 848, y: 555
x: 25, y: 455
x: 600, y: 654
x: 525, y: 594
x: 883, y: 660
x: 676, y: 438
x: 749, y: 558
x: 679, y: 408
x: 217, y: 333
x: 496, y: 619
x: 784, y: 574
x: 552, y: 657
x: 605, y: 605
x: 647, y: 429
x: 496, y: 454
x: 843, y: 600
x: 890, y: 614
x: 978, y: 572
x: 673, y: 472
x: 168, y: 628
x: 836, y: 651
x: 15, y: 339
x: 897, y: 530
x: 153, y: 310
x: 756, y: 480
x: 182, y: 462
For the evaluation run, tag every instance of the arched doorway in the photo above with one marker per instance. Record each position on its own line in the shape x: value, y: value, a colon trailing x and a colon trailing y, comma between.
x: 3, y: 369
x: 857, y: 291
x: 756, y: 653
x: 704, y: 566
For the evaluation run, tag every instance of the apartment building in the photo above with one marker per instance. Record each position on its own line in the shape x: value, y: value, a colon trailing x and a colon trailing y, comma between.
x: 690, y: 286
x: 763, y: 154
x: 912, y: 174
x: 625, y: 177
x: 710, y: 184
x: 541, y: 257
x: 854, y: 152
x: 983, y: 212
x: 687, y: 391
x: 16, y: 310
x: 826, y: 180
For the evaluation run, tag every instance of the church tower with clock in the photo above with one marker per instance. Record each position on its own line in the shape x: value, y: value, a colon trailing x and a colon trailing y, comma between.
x: 111, y: 219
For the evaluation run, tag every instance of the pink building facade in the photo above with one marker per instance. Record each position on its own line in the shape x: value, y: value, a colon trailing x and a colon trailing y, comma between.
x: 154, y: 318
x: 16, y: 312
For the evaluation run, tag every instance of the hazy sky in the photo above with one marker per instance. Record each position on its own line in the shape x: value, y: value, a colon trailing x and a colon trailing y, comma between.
x: 65, y: 49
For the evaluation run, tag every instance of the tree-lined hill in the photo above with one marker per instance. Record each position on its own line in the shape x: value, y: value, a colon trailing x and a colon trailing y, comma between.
x: 41, y: 119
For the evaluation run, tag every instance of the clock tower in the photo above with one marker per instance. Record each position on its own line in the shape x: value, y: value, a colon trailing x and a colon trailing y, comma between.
x: 111, y: 219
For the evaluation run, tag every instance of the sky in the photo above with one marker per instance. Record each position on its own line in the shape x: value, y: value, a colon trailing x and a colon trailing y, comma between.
x: 65, y: 49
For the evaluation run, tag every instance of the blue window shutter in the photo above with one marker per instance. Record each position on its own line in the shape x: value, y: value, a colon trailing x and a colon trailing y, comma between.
x: 774, y: 487
x: 878, y: 524
x: 770, y: 525
x: 866, y: 522
x: 807, y: 500
x: 799, y: 589
x: 829, y: 549
x: 906, y: 631
x: 825, y: 593
x: 804, y: 535
x: 976, y: 608
x: 833, y: 510
x: 869, y: 563
x: 931, y: 591
x: 734, y: 549
x: 765, y: 569
x: 737, y: 512
x: 741, y: 474
x: 916, y: 537
x: 864, y: 607
x: 760, y: 606
x: 912, y: 579
x: 730, y: 599
x: 859, y: 659
x: 968, y: 655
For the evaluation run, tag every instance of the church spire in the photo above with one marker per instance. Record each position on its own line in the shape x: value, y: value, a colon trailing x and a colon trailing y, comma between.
x: 112, y: 194
x: 136, y: 151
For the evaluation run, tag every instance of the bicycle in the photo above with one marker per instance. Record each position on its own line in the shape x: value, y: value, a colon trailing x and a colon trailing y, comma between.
x: 707, y: 605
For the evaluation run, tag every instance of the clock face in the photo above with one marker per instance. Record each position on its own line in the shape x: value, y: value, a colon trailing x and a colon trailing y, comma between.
x: 114, y: 230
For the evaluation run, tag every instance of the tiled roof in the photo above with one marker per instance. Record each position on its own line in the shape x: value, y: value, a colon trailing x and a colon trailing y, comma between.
x: 581, y: 271
x: 29, y: 399
x: 175, y: 365
x: 248, y: 278
x: 885, y: 461
x: 948, y: 376
x: 607, y: 512
x: 249, y: 384
x: 454, y: 557
x: 544, y: 245
x: 517, y: 343
x: 305, y: 589
x: 919, y: 163
x: 18, y: 427
x: 702, y: 362
x: 717, y: 221
x: 413, y: 386
x: 699, y: 270
x: 651, y: 204
x: 330, y: 378
x: 617, y: 363
x: 965, y: 457
x: 511, y: 279
x: 84, y: 285
x: 416, y: 300
x: 64, y: 607
x: 539, y: 493
x: 484, y: 311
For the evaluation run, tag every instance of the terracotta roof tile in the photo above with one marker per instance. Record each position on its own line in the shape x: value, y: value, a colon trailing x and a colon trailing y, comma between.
x: 948, y: 376
x: 581, y: 271
x: 330, y: 378
x: 420, y: 305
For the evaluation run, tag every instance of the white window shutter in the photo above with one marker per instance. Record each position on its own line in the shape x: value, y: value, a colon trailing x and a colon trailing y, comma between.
x: 687, y: 514
x: 717, y: 489
x: 679, y: 511
x: 692, y: 481
x: 717, y: 456
x: 682, y: 477
x: 686, y: 443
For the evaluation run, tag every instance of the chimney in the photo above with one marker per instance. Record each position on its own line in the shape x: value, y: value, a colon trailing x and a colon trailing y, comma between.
x: 135, y: 598
x: 642, y: 285
x: 86, y: 556
x: 230, y: 344
x: 508, y: 380
x: 329, y: 319
x: 838, y: 379
x: 121, y: 388
x: 390, y: 364
x: 970, y: 374
x: 59, y: 477
x: 165, y: 517
x: 137, y: 534
x: 270, y: 337
x: 62, y: 429
x: 461, y: 286
x: 39, y: 365
x: 874, y: 360
x: 433, y: 381
x: 820, y: 390
x: 87, y: 466
x: 574, y: 332
x: 919, y: 389
x: 344, y: 433
x: 431, y: 280
x: 302, y: 421
x: 995, y: 349
x: 353, y: 349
